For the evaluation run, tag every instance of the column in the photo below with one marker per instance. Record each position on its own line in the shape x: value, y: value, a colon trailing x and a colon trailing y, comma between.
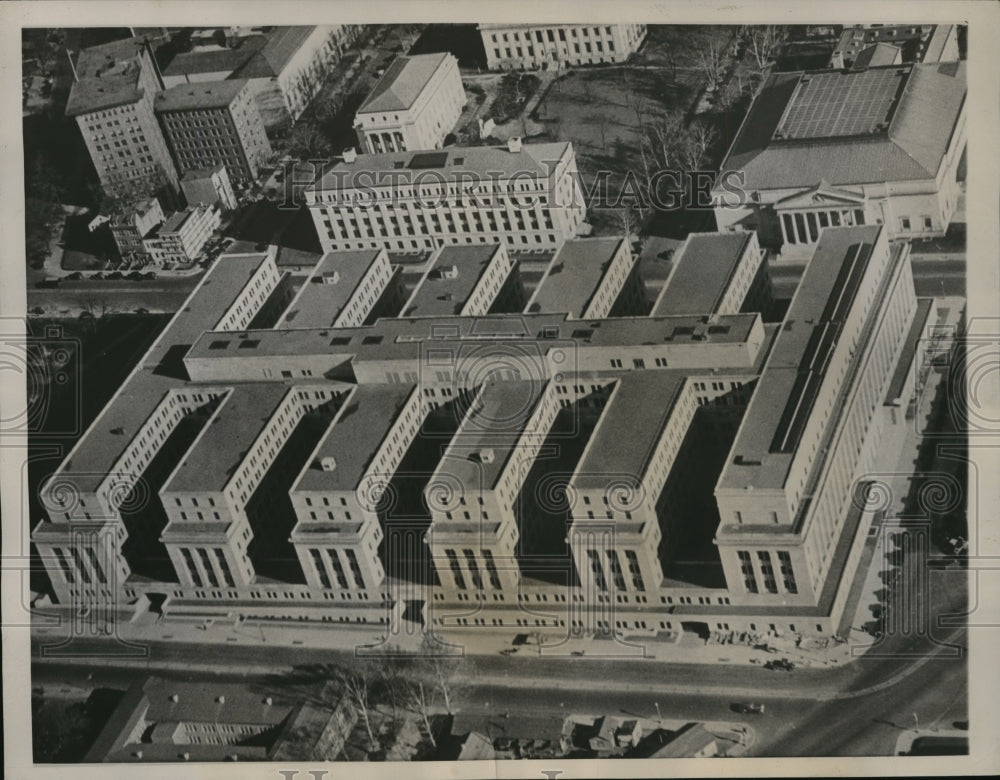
x: 795, y: 228
x: 371, y: 144
x: 782, y: 221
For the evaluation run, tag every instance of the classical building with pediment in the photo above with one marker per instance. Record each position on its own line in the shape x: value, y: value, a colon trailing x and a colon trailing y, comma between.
x: 852, y: 147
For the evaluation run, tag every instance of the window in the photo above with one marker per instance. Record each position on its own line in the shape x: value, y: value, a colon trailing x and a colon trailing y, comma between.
x: 904, y: 223
x: 928, y: 223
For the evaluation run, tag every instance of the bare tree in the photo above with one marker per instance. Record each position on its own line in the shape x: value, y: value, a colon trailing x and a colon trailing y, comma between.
x: 627, y: 220
x: 357, y: 686
x: 627, y: 83
x: 602, y: 126
x: 421, y: 700
x: 763, y: 44
x: 698, y: 140
x: 664, y: 140
x: 712, y: 58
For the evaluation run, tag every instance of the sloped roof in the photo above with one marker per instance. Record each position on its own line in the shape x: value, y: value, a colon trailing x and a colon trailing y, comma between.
x: 877, y: 55
x: 402, y: 82
x: 912, y: 147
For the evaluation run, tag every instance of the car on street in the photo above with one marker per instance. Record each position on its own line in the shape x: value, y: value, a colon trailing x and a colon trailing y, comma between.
x: 782, y: 664
x: 115, y: 276
x: 748, y: 708
x: 74, y: 276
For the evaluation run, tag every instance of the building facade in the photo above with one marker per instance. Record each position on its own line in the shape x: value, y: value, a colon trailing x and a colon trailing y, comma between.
x: 414, y: 105
x: 893, y: 160
x: 528, y: 47
x: 211, y: 186
x: 112, y: 102
x: 182, y: 237
x: 528, y: 197
x: 214, y: 122
x: 130, y: 228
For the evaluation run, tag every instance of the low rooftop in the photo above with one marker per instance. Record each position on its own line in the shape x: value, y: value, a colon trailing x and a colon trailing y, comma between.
x: 701, y: 274
x: 574, y: 276
x: 402, y: 82
x: 450, y: 280
x: 328, y: 289
x: 453, y: 163
x: 108, y: 76
x: 357, y: 432
x: 199, y: 95
x: 212, y: 461
x: 622, y: 444
x: 489, y: 433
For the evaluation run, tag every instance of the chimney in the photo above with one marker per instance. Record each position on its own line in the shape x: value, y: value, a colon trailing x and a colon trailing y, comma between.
x: 486, y: 455
x: 450, y: 273
x: 328, y: 463
x: 514, y: 144
x: 350, y: 154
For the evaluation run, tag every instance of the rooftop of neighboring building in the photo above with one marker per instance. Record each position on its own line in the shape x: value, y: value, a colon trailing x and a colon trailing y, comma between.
x: 107, y: 77
x: 689, y: 741
x: 702, y: 270
x: 488, y: 434
x: 878, y: 55
x: 166, y: 705
x: 787, y: 389
x: 451, y: 278
x: 400, y: 338
x: 574, y: 276
x: 328, y: 289
x: 360, y: 427
x: 403, y: 81
x: 212, y: 461
x: 849, y: 126
x: 264, y: 55
x: 199, y: 95
x: 453, y: 162
x: 621, y: 447
x: 203, y: 172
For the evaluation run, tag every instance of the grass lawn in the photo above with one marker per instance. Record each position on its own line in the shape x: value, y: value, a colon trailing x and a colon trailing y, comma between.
x: 603, y: 109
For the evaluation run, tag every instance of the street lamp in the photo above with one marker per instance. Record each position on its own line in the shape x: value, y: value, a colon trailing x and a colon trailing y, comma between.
x: 916, y: 722
x: 659, y: 718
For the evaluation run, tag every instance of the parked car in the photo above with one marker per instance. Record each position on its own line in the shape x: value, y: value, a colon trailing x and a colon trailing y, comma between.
x: 149, y: 275
x: 74, y: 276
x: 97, y: 276
x: 135, y: 276
x: 782, y: 664
x: 748, y: 708
x: 115, y: 275
x: 47, y: 283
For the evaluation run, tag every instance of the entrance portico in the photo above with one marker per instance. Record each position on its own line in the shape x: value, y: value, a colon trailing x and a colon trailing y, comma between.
x: 804, y: 214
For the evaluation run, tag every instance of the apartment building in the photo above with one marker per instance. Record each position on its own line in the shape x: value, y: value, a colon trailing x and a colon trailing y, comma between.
x: 111, y: 100
x: 869, y: 45
x: 812, y: 153
x: 209, y: 185
x: 342, y: 291
x: 528, y: 197
x: 184, y: 234
x: 527, y: 47
x: 414, y: 105
x: 715, y: 273
x: 214, y: 122
x: 467, y: 281
x: 589, y: 278
x: 285, y: 66
x: 130, y: 227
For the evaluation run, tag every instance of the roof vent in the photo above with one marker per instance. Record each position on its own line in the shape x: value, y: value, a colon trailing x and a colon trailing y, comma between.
x: 328, y: 463
x: 221, y: 700
x: 268, y: 701
x: 331, y: 278
x: 450, y: 273
x: 174, y: 698
x: 485, y: 455
x: 350, y: 154
x: 514, y: 144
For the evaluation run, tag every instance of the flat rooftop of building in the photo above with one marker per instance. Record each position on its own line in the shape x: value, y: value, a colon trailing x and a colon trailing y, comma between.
x: 622, y: 444
x: 403, y: 81
x: 441, y: 294
x: 199, y: 95
x: 357, y: 432
x: 877, y: 55
x: 223, y: 444
x: 204, y: 172
x: 702, y: 272
x: 493, y: 425
x: 215, y: 59
x: 107, y: 76
x: 120, y: 420
x: 328, y: 289
x: 849, y: 126
x: 400, y: 338
x: 453, y: 163
x: 786, y: 391
x: 574, y: 276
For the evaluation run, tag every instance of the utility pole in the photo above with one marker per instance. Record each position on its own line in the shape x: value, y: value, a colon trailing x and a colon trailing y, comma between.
x: 659, y: 718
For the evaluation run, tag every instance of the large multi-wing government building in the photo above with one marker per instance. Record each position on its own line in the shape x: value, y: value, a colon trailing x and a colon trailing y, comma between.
x: 474, y: 459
